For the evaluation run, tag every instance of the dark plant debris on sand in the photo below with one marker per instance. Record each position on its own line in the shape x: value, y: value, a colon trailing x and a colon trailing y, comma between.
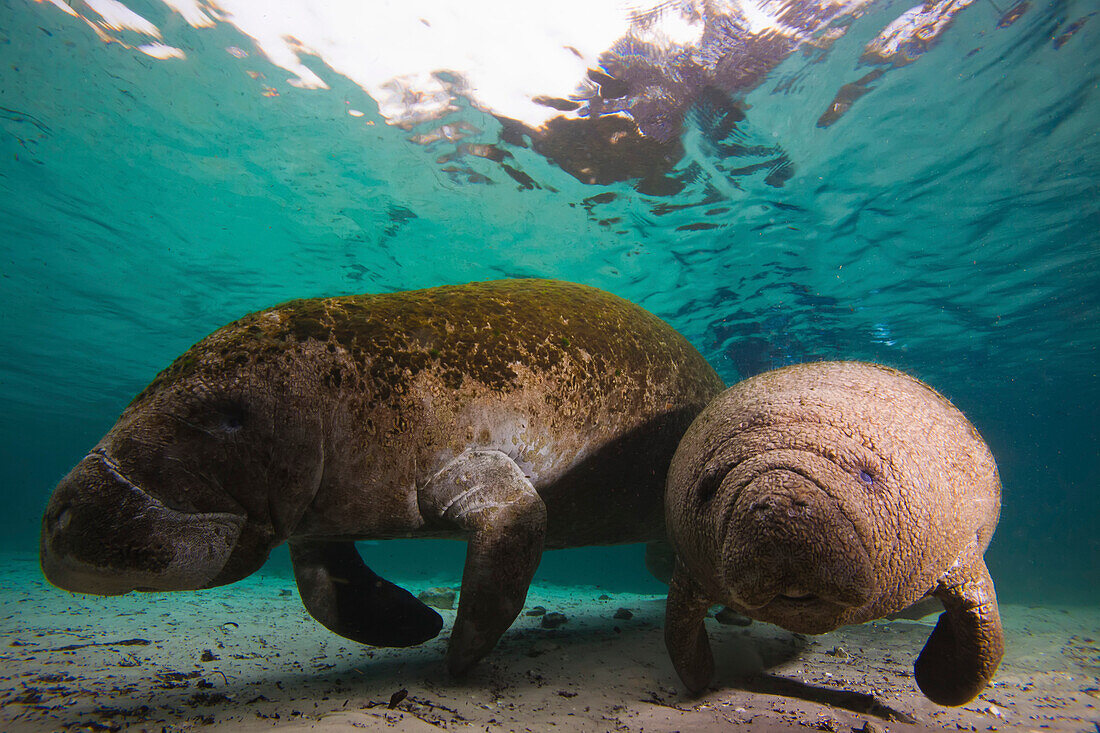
x: 247, y: 657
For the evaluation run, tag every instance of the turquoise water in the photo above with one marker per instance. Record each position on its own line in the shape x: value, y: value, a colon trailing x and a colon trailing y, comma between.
x: 947, y: 224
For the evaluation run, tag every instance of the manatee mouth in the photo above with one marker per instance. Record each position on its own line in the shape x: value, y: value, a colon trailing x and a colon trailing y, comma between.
x: 104, y: 534
x: 796, y: 601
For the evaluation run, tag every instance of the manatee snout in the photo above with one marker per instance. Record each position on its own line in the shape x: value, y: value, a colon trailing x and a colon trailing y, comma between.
x: 103, y: 534
x: 792, y: 556
x: 206, y: 471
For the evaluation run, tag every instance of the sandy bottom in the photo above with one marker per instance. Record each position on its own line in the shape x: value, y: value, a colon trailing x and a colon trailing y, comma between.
x: 247, y: 657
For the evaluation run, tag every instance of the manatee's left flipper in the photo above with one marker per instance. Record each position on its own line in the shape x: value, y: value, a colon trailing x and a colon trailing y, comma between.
x: 341, y: 592
x: 486, y: 494
x: 966, y: 646
x: 685, y: 635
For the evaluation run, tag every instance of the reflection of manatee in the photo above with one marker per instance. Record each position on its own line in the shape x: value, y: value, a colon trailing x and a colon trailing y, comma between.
x: 834, y: 493
x: 682, y: 64
x: 516, y: 414
x: 601, y: 89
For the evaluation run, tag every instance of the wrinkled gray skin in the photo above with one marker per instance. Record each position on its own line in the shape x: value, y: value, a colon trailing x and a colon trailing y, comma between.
x: 835, y: 493
x: 517, y: 415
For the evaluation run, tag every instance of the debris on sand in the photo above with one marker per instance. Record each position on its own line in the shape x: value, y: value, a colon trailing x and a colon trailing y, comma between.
x: 553, y: 620
x: 443, y: 598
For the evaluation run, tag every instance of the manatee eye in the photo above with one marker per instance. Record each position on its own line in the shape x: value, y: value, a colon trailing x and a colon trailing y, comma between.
x: 232, y: 422
x: 711, y: 479
x: 865, y: 478
x: 231, y: 418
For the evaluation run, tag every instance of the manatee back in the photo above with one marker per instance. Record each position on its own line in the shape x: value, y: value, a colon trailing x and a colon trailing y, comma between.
x: 587, y: 392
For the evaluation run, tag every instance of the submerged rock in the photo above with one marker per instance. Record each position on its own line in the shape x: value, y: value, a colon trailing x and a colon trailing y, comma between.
x: 553, y: 620
x: 443, y: 598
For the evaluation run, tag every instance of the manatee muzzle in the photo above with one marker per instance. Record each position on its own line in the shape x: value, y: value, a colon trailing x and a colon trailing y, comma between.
x: 791, y: 555
x: 104, y: 534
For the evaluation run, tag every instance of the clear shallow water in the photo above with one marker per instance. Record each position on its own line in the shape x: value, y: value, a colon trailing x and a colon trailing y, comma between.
x: 945, y: 224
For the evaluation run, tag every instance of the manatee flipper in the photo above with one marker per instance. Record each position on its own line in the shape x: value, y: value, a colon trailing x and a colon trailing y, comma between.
x: 341, y: 592
x: 685, y: 635
x: 486, y: 494
x: 966, y: 646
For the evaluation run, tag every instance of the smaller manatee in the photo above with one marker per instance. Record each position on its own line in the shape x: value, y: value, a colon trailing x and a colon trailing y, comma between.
x: 835, y: 493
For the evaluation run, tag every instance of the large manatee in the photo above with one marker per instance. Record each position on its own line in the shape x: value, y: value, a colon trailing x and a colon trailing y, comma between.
x: 517, y: 415
x: 834, y: 493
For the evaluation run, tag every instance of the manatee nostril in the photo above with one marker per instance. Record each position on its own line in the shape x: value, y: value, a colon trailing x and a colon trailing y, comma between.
x: 797, y: 509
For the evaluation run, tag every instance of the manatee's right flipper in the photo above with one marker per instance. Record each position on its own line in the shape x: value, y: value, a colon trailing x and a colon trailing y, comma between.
x: 966, y: 646
x: 486, y: 494
x: 685, y: 634
x: 341, y: 592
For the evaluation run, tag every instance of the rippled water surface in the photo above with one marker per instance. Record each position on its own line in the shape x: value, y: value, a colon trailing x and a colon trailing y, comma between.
x: 937, y: 210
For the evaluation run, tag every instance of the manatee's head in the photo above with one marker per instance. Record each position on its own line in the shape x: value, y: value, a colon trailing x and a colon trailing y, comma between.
x: 829, y: 493
x: 205, y: 471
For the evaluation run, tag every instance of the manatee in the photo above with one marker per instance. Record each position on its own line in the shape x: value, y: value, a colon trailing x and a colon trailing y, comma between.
x: 517, y: 415
x: 835, y: 493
